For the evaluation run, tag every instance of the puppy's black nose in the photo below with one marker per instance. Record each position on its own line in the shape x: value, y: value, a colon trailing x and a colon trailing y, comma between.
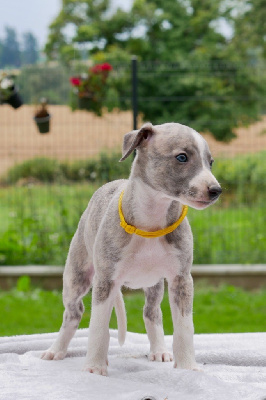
x: 214, y: 191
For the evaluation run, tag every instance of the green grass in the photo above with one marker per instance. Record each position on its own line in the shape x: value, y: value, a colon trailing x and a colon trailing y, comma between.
x: 38, y: 222
x: 216, y: 310
x: 41, y: 201
x: 229, y: 235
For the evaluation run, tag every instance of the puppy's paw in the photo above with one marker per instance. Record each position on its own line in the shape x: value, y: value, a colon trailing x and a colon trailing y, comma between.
x: 53, y: 355
x: 161, y: 356
x: 96, y: 369
x: 187, y: 365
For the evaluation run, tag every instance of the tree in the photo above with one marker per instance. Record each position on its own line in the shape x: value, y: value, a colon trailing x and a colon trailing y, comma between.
x: 30, y: 49
x: 37, y: 81
x: 194, y: 75
x: 10, y: 49
x: 92, y: 24
x: 249, y: 22
x: 1, y: 52
x: 154, y: 29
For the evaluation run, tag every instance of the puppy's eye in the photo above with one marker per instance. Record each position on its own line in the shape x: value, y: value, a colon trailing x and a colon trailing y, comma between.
x: 182, y: 158
x: 211, y: 162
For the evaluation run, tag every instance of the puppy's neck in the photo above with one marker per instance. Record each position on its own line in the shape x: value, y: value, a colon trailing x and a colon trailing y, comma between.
x: 146, y: 208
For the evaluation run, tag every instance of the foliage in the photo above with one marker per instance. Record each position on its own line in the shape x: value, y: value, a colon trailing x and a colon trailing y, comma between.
x: 167, y: 28
x: 28, y: 310
x: 7, y: 86
x: 212, y: 97
x: 93, y: 24
x: 248, y: 19
x: 42, y: 81
x: 102, y: 169
x: 90, y: 89
x: 52, y: 82
x: 12, y: 54
x: 38, y: 222
x: 30, y: 52
x: 219, y: 233
x: 42, y: 111
x: 42, y: 169
x: 195, y: 75
x: 243, y: 177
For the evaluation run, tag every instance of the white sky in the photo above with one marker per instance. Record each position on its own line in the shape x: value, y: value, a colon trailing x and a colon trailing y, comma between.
x: 28, y: 15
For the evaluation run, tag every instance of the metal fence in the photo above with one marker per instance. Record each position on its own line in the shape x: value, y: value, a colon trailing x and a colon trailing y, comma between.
x: 38, y: 220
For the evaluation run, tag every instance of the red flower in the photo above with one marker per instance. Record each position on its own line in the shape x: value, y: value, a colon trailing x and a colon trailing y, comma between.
x: 98, y: 68
x: 75, y: 81
x: 106, y: 67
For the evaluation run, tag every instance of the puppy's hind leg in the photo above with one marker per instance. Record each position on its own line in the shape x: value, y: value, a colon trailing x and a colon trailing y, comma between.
x: 152, y: 315
x: 77, y: 282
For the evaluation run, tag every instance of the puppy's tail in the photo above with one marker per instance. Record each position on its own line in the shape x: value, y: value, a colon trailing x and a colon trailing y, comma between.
x: 121, y: 318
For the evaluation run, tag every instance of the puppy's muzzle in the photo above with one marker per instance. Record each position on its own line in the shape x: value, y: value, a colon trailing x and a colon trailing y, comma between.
x: 214, y: 192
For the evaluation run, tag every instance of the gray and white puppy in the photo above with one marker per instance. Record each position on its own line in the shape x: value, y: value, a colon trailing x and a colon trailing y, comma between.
x: 172, y: 168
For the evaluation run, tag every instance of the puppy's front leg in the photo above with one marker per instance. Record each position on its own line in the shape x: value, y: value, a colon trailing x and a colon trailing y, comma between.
x: 181, y: 302
x: 103, y: 294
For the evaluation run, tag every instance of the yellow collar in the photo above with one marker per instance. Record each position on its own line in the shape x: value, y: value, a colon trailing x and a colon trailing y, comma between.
x: 132, y: 229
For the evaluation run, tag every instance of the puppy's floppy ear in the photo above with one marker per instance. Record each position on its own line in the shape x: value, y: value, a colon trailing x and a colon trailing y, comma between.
x: 133, y: 139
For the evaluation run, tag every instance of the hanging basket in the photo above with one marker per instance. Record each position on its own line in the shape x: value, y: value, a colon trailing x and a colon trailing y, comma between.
x: 43, y: 123
x: 14, y: 100
x: 84, y: 103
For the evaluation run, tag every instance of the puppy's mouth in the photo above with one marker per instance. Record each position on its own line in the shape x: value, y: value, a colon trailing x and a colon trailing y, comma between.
x: 201, y: 204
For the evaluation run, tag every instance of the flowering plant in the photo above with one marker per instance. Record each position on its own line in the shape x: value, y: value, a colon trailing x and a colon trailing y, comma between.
x: 42, y: 111
x: 90, y: 88
x: 7, y: 86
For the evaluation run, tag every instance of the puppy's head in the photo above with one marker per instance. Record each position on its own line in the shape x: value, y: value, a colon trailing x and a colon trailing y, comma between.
x: 176, y: 160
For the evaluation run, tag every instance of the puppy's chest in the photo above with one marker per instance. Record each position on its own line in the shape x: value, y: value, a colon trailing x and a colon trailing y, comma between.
x: 146, y: 261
